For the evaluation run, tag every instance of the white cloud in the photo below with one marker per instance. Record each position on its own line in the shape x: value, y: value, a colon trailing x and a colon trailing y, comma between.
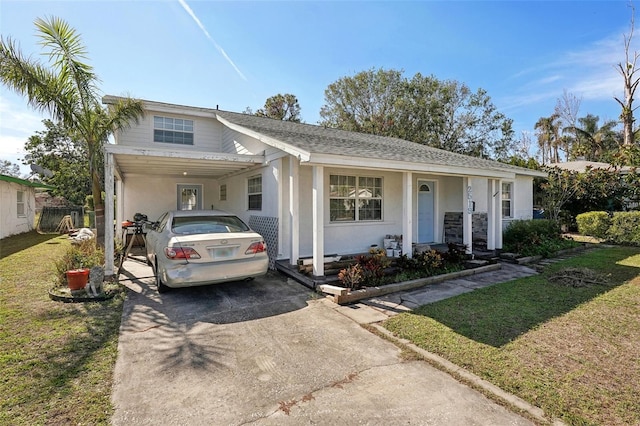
x: 589, y: 72
x: 188, y: 9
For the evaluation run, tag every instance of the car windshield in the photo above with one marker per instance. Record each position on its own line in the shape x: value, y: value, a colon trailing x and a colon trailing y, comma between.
x: 207, y: 225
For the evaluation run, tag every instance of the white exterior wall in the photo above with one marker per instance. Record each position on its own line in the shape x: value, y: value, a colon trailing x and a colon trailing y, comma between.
x: 155, y: 195
x: 522, y: 200
x: 207, y: 134
x: 348, y: 237
x: 237, y: 143
x: 523, y: 208
x: 237, y: 199
x: 10, y: 223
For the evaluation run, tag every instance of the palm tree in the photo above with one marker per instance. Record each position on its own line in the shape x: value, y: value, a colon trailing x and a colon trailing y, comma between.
x: 67, y: 90
x: 594, y: 140
x: 547, y: 130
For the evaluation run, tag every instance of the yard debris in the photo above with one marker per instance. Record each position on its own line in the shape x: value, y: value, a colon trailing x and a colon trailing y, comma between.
x: 578, y: 277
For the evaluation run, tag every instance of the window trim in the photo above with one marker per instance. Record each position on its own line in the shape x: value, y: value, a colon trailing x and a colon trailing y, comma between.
x: 510, y: 199
x: 253, y: 194
x: 356, y: 198
x: 223, y: 192
x: 173, y: 130
x: 21, y: 203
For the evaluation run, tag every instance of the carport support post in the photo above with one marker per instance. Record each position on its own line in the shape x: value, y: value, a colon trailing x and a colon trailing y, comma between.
x: 318, y: 221
x: 108, y: 215
x: 407, y: 213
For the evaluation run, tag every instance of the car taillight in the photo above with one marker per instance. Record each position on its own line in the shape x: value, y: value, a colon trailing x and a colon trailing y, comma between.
x: 181, y: 253
x: 257, y: 247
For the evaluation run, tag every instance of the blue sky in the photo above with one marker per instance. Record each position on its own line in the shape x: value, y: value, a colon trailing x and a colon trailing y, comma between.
x: 236, y: 54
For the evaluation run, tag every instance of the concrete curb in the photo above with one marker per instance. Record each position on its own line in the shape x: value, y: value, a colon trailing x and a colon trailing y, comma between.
x: 457, y: 371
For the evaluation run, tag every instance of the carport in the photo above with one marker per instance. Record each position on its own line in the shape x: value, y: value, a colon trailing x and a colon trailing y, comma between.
x: 128, y: 165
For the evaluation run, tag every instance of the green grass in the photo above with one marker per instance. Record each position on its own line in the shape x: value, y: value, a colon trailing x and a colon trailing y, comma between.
x: 571, y: 351
x: 56, y: 359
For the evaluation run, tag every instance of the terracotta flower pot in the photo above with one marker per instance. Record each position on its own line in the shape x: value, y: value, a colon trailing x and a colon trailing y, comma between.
x: 77, y: 278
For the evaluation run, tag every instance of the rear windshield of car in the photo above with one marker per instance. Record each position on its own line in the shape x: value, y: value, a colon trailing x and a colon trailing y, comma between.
x: 208, y: 225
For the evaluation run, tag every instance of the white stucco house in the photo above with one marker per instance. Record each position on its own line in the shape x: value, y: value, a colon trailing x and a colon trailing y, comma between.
x: 309, y: 190
x: 17, y: 205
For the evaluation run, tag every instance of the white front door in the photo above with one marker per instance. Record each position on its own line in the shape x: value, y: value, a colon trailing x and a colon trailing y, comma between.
x: 425, y: 212
x: 189, y: 197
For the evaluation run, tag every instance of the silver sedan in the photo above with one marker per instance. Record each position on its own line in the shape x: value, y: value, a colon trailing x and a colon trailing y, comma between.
x: 197, y: 247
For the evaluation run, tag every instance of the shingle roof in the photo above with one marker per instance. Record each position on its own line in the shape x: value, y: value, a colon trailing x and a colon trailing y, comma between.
x: 314, y: 139
x: 324, y: 140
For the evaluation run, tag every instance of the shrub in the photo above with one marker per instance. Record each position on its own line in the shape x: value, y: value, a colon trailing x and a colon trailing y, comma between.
x: 84, y: 255
x: 594, y: 224
x: 373, y: 266
x: 351, y: 277
x: 538, y: 237
x: 625, y: 228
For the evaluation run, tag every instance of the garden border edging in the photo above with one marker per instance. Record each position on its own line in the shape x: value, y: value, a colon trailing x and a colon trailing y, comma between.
x: 365, y: 293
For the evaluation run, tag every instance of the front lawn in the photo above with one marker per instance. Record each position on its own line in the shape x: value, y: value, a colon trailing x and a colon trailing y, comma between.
x: 56, y: 359
x: 573, y: 351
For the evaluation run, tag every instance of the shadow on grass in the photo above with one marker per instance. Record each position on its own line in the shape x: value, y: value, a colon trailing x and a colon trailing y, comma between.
x: 17, y: 243
x: 498, y: 314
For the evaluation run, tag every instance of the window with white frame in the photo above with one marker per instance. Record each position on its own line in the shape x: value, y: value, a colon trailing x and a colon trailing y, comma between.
x: 254, y: 193
x: 355, y: 198
x: 223, y: 192
x: 20, y: 204
x: 172, y: 130
x: 507, y: 199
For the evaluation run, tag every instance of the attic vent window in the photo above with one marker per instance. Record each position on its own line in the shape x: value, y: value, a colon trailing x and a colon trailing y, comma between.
x: 172, y: 130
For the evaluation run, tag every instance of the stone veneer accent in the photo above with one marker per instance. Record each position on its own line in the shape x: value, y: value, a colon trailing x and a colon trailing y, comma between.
x: 453, y: 228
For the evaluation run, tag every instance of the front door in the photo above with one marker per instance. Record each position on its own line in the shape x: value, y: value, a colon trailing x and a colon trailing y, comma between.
x: 425, y: 212
x: 189, y: 197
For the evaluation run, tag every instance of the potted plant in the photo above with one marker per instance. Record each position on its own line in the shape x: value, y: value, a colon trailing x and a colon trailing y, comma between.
x: 74, y: 266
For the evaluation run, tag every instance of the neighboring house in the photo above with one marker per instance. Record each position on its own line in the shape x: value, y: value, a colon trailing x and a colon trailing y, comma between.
x: 17, y: 205
x: 581, y: 166
x: 309, y: 190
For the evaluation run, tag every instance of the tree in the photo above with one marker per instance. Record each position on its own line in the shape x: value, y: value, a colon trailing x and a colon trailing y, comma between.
x: 363, y: 103
x: 548, y: 132
x: 54, y: 150
x: 594, y: 142
x: 442, y: 114
x: 67, y: 89
x: 628, y: 73
x: 9, y: 169
x: 281, y: 107
x: 567, y: 108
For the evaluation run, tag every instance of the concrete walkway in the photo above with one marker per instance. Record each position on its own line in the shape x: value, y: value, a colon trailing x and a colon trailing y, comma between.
x: 270, y: 352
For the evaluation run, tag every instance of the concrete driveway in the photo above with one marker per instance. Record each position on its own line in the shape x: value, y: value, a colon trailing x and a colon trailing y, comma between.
x: 270, y: 352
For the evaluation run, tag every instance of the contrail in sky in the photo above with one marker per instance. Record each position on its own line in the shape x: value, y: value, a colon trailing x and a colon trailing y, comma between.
x: 186, y: 7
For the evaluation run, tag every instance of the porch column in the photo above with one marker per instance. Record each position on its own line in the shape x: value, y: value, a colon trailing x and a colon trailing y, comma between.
x: 491, y: 213
x: 108, y: 215
x: 467, y: 215
x: 119, y: 187
x: 498, y: 216
x: 407, y: 213
x: 294, y: 210
x: 318, y: 220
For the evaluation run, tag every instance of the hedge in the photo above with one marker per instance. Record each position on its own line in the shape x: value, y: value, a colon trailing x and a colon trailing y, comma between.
x: 594, y: 224
x: 625, y: 228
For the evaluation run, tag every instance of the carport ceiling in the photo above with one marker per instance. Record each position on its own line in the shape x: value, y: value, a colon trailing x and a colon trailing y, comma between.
x: 162, y: 166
